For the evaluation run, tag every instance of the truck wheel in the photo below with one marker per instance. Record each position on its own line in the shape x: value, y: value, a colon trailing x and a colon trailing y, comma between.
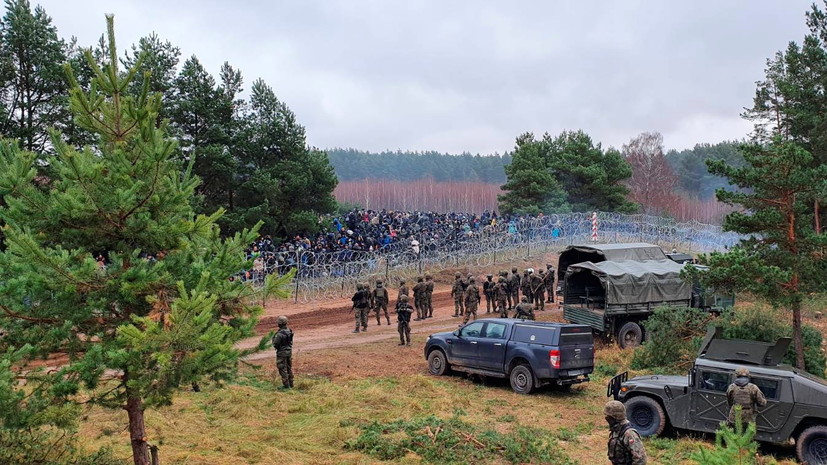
x: 646, y: 416
x: 437, y: 364
x: 811, y: 445
x: 522, y: 379
x: 630, y: 335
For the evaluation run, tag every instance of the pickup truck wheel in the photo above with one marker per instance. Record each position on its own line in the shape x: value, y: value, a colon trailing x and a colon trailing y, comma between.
x: 522, y: 379
x: 630, y: 335
x: 811, y: 445
x: 437, y: 364
x: 646, y: 416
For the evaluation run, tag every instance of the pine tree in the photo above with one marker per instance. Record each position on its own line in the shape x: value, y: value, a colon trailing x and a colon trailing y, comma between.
x: 532, y: 187
x: 163, y: 311
x: 781, y: 257
x: 733, y: 446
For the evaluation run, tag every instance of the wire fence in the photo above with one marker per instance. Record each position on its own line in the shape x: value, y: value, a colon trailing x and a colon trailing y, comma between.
x: 332, y: 275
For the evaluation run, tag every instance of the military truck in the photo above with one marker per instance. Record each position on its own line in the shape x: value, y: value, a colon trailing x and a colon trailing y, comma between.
x: 796, y: 401
x: 614, y: 297
x: 596, y: 253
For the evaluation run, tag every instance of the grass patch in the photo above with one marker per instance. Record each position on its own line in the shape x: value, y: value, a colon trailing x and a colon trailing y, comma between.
x: 454, y: 441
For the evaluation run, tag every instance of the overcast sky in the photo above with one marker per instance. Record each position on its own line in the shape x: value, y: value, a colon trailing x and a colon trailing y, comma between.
x: 471, y: 76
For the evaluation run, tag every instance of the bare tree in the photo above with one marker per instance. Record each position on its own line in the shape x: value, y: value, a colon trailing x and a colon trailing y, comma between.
x: 653, y: 181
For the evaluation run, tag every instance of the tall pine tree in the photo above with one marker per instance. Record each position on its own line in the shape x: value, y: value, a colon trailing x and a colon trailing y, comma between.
x: 532, y: 187
x: 163, y: 311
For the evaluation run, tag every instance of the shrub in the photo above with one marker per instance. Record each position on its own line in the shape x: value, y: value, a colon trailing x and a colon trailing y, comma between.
x: 673, y: 338
x: 733, y: 446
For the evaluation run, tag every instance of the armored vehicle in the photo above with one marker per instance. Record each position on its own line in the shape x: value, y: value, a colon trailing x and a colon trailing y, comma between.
x: 796, y: 401
x: 614, y: 297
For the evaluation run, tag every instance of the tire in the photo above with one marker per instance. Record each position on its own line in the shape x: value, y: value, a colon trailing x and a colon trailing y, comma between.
x: 522, y: 379
x: 646, y: 416
x: 438, y: 363
x: 811, y: 446
x: 630, y: 335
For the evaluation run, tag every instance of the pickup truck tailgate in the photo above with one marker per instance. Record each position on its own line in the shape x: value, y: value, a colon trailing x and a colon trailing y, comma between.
x: 576, y: 348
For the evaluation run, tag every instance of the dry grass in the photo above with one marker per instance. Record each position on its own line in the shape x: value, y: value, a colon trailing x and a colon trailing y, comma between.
x: 250, y: 422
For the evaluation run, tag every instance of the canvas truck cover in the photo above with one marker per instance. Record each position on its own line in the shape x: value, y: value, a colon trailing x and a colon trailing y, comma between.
x: 601, y: 252
x: 637, y: 281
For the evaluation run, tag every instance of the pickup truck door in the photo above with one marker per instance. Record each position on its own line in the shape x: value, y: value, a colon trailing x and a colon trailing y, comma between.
x: 492, y: 346
x: 465, y: 348
x: 709, y: 407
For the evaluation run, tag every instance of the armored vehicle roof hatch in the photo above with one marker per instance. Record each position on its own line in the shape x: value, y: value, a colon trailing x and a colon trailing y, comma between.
x: 737, y: 350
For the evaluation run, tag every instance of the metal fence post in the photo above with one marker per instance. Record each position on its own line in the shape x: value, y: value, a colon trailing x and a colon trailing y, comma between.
x: 298, y: 275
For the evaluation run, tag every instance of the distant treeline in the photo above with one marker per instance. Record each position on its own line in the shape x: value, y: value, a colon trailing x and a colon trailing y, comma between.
x: 693, y: 177
x: 354, y: 165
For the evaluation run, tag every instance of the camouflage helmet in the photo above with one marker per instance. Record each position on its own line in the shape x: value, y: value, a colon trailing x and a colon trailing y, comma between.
x: 524, y: 299
x: 419, y: 279
x: 489, y: 276
x: 379, y: 282
x: 281, y: 321
x: 502, y: 279
x: 366, y: 285
x: 742, y: 372
x: 359, y: 286
x: 457, y: 274
x: 513, y: 269
x: 503, y: 273
x: 428, y: 276
x: 615, y: 409
x: 472, y: 279
x: 403, y: 298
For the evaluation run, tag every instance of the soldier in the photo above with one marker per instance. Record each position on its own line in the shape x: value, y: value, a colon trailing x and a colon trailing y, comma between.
x: 283, y: 343
x: 745, y: 394
x: 549, y: 282
x: 403, y: 318
x: 361, y: 306
x: 524, y: 309
x: 380, y: 302
x: 429, y: 295
x: 501, y: 296
x: 538, y: 290
x: 472, y: 300
x: 513, y: 288
x: 525, y: 284
x: 457, y: 293
x: 419, y: 297
x: 488, y: 291
x: 403, y: 290
x: 625, y: 446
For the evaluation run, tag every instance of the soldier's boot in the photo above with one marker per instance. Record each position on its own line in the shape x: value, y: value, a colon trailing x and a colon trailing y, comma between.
x: 401, y: 343
x: 290, y: 380
x: 389, y: 319
x: 356, y: 330
x: 365, y: 328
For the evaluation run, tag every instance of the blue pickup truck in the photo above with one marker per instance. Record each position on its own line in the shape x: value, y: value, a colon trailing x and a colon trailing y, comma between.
x: 530, y: 354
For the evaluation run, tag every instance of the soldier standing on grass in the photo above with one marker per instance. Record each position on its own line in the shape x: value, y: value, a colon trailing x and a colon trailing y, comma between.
x: 380, y: 302
x: 501, y: 296
x: 457, y: 294
x: 403, y: 318
x: 361, y: 306
x: 283, y: 343
x: 745, y: 394
x: 472, y: 300
x: 549, y: 282
x: 488, y: 291
x: 429, y: 295
x: 625, y: 446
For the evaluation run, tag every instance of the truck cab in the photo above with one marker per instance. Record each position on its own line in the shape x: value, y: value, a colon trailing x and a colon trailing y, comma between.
x: 796, y: 401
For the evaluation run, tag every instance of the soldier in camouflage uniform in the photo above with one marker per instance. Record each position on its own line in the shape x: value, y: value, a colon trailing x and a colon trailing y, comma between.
x: 472, y: 300
x: 361, y: 307
x: 745, y: 394
x: 380, y: 302
x: 403, y: 290
x: 625, y: 445
x: 457, y: 293
x: 501, y: 297
x: 513, y: 288
x: 538, y: 290
x: 488, y: 292
x: 429, y: 296
x: 283, y: 343
x: 524, y: 309
x: 403, y: 318
x: 419, y: 297
x: 549, y: 282
x: 525, y: 284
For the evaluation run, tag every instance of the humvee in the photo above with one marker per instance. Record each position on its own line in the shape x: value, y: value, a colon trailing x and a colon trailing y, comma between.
x: 796, y: 401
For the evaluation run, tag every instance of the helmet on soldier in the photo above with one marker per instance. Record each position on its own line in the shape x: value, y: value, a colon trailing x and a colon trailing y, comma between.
x: 742, y: 372
x: 359, y: 286
x: 489, y: 276
x: 502, y: 279
x: 419, y: 279
x: 403, y: 298
x: 281, y: 321
x: 457, y: 274
x: 524, y: 299
x: 401, y: 281
x: 428, y: 276
x: 615, y: 409
x: 472, y: 279
x: 379, y: 282
x: 514, y: 269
